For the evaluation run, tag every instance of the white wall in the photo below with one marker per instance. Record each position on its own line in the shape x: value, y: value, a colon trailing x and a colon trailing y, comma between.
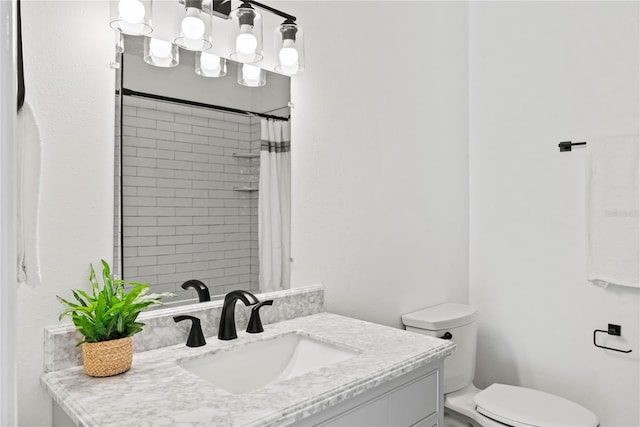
x: 70, y: 88
x: 8, y: 402
x: 540, y: 73
x: 379, y: 156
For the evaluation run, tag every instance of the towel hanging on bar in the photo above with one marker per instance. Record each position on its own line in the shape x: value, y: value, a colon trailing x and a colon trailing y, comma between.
x: 613, y: 218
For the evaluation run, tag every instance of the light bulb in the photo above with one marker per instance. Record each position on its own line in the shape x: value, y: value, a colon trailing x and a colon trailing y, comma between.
x: 160, y: 51
x: 289, y: 70
x: 192, y: 27
x: 246, y: 42
x: 209, y: 61
x: 251, y: 74
x: 131, y: 11
x: 288, y: 54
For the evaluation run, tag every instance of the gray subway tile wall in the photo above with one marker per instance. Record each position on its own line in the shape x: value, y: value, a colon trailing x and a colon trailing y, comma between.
x: 184, y: 217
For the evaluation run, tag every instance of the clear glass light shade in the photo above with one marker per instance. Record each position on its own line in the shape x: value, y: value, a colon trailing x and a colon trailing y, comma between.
x: 131, y: 17
x: 160, y: 53
x: 289, y: 47
x: 195, y: 30
x: 210, y: 65
x: 247, y: 37
x: 119, y: 42
x: 252, y: 76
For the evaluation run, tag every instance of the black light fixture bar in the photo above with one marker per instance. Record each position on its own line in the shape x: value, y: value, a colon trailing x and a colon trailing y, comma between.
x: 272, y: 10
x: 221, y: 8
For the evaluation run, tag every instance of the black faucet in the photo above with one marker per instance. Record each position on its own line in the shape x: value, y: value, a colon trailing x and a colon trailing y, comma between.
x: 196, y: 337
x: 201, y: 289
x: 255, y: 324
x: 227, y: 329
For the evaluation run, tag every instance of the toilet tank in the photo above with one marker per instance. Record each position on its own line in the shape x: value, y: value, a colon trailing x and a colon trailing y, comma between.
x: 460, y: 321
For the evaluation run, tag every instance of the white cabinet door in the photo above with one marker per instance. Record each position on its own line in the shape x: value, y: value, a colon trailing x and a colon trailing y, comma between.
x: 414, y: 399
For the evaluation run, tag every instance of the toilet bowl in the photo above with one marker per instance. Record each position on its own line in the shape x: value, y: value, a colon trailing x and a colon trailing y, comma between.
x: 498, y: 405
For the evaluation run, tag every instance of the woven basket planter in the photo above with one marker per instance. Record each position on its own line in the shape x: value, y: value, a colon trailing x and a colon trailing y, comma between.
x: 107, y: 358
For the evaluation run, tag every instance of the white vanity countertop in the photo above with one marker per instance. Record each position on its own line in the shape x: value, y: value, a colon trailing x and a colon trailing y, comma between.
x: 158, y: 392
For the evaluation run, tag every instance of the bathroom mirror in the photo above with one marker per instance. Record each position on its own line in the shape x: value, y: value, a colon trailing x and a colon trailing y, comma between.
x: 187, y: 175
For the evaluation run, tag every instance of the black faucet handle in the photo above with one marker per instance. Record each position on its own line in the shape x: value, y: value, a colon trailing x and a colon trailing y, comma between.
x: 255, y: 324
x: 201, y: 289
x: 196, y: 337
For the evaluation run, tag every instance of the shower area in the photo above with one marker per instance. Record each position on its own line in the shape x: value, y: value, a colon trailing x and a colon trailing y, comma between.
x: 187, y: 193
x: 190, y: 190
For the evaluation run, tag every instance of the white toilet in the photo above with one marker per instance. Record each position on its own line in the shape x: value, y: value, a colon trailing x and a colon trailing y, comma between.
x: 499, y: 404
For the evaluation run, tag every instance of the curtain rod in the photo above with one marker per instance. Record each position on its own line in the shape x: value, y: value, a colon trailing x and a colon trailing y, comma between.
x: 130, y: 92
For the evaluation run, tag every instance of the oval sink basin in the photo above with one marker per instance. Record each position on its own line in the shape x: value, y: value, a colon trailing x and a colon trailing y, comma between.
x: 249, y: 367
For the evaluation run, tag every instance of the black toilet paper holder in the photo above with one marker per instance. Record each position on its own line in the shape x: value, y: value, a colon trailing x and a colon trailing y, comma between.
x: 612, y: 330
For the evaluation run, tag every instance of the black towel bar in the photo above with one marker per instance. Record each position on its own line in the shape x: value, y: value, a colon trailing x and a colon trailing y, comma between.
x: 566, y: 145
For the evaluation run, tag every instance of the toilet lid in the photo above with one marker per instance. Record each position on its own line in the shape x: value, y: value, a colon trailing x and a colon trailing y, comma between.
x: 524, y: 407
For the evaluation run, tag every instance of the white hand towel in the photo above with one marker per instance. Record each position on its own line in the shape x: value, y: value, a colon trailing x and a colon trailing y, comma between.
x: 28, y: 195
x: 613, y: 205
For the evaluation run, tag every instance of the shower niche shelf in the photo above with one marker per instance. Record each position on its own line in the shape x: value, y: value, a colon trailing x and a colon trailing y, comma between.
x: 246, y: 156
x: 245, y: 188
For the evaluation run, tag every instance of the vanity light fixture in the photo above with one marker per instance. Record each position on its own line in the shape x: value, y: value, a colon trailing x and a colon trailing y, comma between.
x: 132, y: 17
x: 289, y: 43
x: 195, y: 27
x: 251, y: 75
x: 210, y: 65
x: 248, y: 34
x: 160, y: 53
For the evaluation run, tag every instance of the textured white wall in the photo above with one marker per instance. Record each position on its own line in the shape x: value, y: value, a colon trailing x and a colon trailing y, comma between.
x: 379, y: 156
x: 540, y: 73
x: 8, y: 401
x: 70, y: 87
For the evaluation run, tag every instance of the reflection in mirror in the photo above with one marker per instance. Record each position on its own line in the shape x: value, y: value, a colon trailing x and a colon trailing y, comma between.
x: 200, y: 163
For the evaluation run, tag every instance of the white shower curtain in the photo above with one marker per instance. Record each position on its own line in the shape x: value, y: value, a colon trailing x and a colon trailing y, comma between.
x: 274, y: 206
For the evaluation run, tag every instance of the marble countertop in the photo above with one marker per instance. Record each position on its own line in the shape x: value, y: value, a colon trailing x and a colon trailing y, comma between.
x: 158, y: 392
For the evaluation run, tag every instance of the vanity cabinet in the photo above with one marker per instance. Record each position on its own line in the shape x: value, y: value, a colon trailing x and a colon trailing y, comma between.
x: 394, y: 379
x: 411, y: 400
x: 414, y: 399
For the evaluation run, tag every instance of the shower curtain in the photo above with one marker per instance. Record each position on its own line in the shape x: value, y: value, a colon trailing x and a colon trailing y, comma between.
x: 274, y: 205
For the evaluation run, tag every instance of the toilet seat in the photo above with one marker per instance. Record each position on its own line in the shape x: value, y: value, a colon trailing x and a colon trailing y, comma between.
x: 524, y: 407
x: 499, y: 405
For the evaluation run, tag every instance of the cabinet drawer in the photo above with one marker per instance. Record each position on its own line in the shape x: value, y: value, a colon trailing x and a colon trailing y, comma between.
x: 415, y: 401
x: 374, y: 414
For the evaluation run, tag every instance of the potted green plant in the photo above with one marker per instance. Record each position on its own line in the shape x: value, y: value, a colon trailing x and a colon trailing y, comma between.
x: 108, y: 320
